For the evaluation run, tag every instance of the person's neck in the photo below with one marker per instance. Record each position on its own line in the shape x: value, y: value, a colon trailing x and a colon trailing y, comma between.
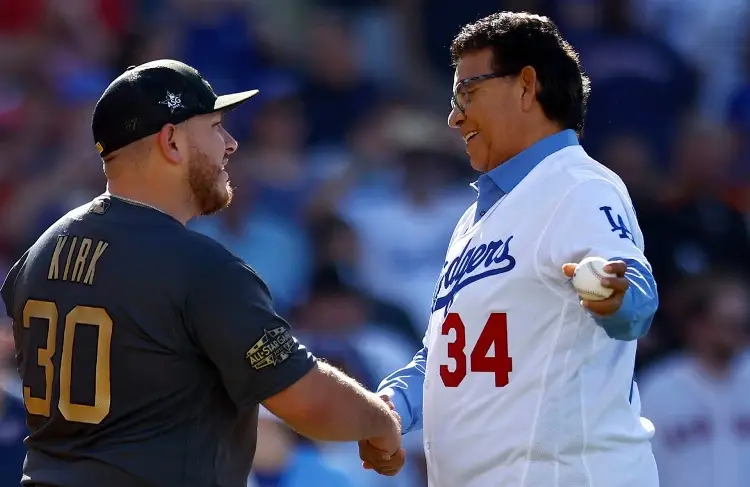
x: 154, y: 199
x: 529, y: 138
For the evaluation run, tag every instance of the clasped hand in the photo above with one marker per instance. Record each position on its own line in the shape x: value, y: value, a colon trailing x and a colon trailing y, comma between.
x: 384, y: 455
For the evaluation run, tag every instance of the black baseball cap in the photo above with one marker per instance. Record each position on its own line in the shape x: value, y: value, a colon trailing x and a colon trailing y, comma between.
x: 145, y: 98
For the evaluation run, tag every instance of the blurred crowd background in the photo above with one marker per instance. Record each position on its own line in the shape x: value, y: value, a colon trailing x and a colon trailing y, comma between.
x: 349, y: 183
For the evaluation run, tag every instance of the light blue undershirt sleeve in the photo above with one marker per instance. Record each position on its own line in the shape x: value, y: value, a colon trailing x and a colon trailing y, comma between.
x: 406, y: 389
x: 633, y: 319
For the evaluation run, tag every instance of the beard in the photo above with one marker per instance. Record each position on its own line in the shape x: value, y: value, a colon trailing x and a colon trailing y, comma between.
x: 203, y: 177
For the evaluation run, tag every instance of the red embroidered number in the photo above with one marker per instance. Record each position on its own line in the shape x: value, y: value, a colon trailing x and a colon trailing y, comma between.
x: 495, y: 332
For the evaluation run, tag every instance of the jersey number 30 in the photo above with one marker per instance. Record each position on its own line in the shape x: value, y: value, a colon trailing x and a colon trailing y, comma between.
x: 495, y: 332
x: 83, y: 315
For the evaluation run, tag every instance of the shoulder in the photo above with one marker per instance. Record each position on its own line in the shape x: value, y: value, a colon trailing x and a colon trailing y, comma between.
x: 15, y: 270
x: 80, y: 212
x: 217, y: 270
x: 574, y: 171
x: 578, y: 185
x: 212, y: 258
x: 60, y: 227
x: 63, y: 226
x: 210, y: 251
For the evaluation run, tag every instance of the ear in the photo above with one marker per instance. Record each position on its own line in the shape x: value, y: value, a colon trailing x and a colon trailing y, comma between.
x: 169, y: 144
x: 528, y: 79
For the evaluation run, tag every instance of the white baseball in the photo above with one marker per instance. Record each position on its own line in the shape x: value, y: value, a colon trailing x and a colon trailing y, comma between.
x: 587, y: 279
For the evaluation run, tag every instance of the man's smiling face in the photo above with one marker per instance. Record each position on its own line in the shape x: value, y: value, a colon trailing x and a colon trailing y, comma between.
x: 492, y: 107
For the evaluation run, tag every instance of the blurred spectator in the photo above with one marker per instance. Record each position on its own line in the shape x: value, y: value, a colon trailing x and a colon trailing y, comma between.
x: 12, y: 415
x: 265, y: 223
x: 368, y: 167
x: 639, y: 84
x: 349, y: 183
x: 276, y: 163
x: 710, y: 35
x: 337, y: 246
x: 404, y: 237
x: 282, y: 460
x: 20, y: 22
x: 739, y: 117
x: 698, y: 400
x: 276, y: 248
x: 217, y: 38
x: 631, y: 158
x: 335, y: 95
x: 434, y: 23
x: 698, y: 231
x: 334, y: 324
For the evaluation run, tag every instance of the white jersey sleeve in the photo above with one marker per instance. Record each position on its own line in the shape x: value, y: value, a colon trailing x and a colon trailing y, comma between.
x: 593, y: 218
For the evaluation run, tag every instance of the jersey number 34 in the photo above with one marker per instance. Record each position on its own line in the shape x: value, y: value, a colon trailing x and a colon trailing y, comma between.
x: 495, y: 332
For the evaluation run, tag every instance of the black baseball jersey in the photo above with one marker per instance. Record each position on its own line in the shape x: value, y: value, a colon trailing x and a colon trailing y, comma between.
x: 144, y: 350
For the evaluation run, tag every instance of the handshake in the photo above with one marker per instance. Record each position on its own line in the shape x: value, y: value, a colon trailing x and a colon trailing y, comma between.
x: 384, y: 454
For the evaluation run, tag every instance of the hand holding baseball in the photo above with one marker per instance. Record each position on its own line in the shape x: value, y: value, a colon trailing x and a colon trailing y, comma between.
x: 615, y: 284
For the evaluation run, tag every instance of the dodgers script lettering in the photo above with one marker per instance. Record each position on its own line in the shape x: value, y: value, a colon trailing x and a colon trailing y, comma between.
x: 493, y: 258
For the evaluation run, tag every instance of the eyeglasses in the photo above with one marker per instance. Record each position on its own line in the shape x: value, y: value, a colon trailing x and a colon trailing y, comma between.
x: 460, y: 99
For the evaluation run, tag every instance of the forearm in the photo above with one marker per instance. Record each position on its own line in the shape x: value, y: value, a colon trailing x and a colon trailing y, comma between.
x: 633, y: 319
x: 330, y: 406
x: 406, y: 389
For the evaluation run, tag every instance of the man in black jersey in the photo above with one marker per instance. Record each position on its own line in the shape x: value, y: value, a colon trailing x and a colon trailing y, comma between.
x: 146, y: 348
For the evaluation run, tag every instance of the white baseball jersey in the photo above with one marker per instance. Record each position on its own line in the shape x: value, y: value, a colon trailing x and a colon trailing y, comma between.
x: 702, y: 423
x: 522, y: 387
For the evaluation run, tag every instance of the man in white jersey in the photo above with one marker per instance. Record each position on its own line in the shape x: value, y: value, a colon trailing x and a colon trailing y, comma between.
x: 519, y: 383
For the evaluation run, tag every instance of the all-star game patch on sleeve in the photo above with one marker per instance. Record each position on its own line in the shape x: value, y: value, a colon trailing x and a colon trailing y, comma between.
x: 233, y: 320
x: 274, y: 347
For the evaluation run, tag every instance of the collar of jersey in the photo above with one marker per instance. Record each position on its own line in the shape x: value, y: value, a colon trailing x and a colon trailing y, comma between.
x: 135, y: 203
x: 507, y: 175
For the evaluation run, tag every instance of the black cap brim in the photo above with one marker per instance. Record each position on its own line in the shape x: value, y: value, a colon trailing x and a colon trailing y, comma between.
x: 227, y: 102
